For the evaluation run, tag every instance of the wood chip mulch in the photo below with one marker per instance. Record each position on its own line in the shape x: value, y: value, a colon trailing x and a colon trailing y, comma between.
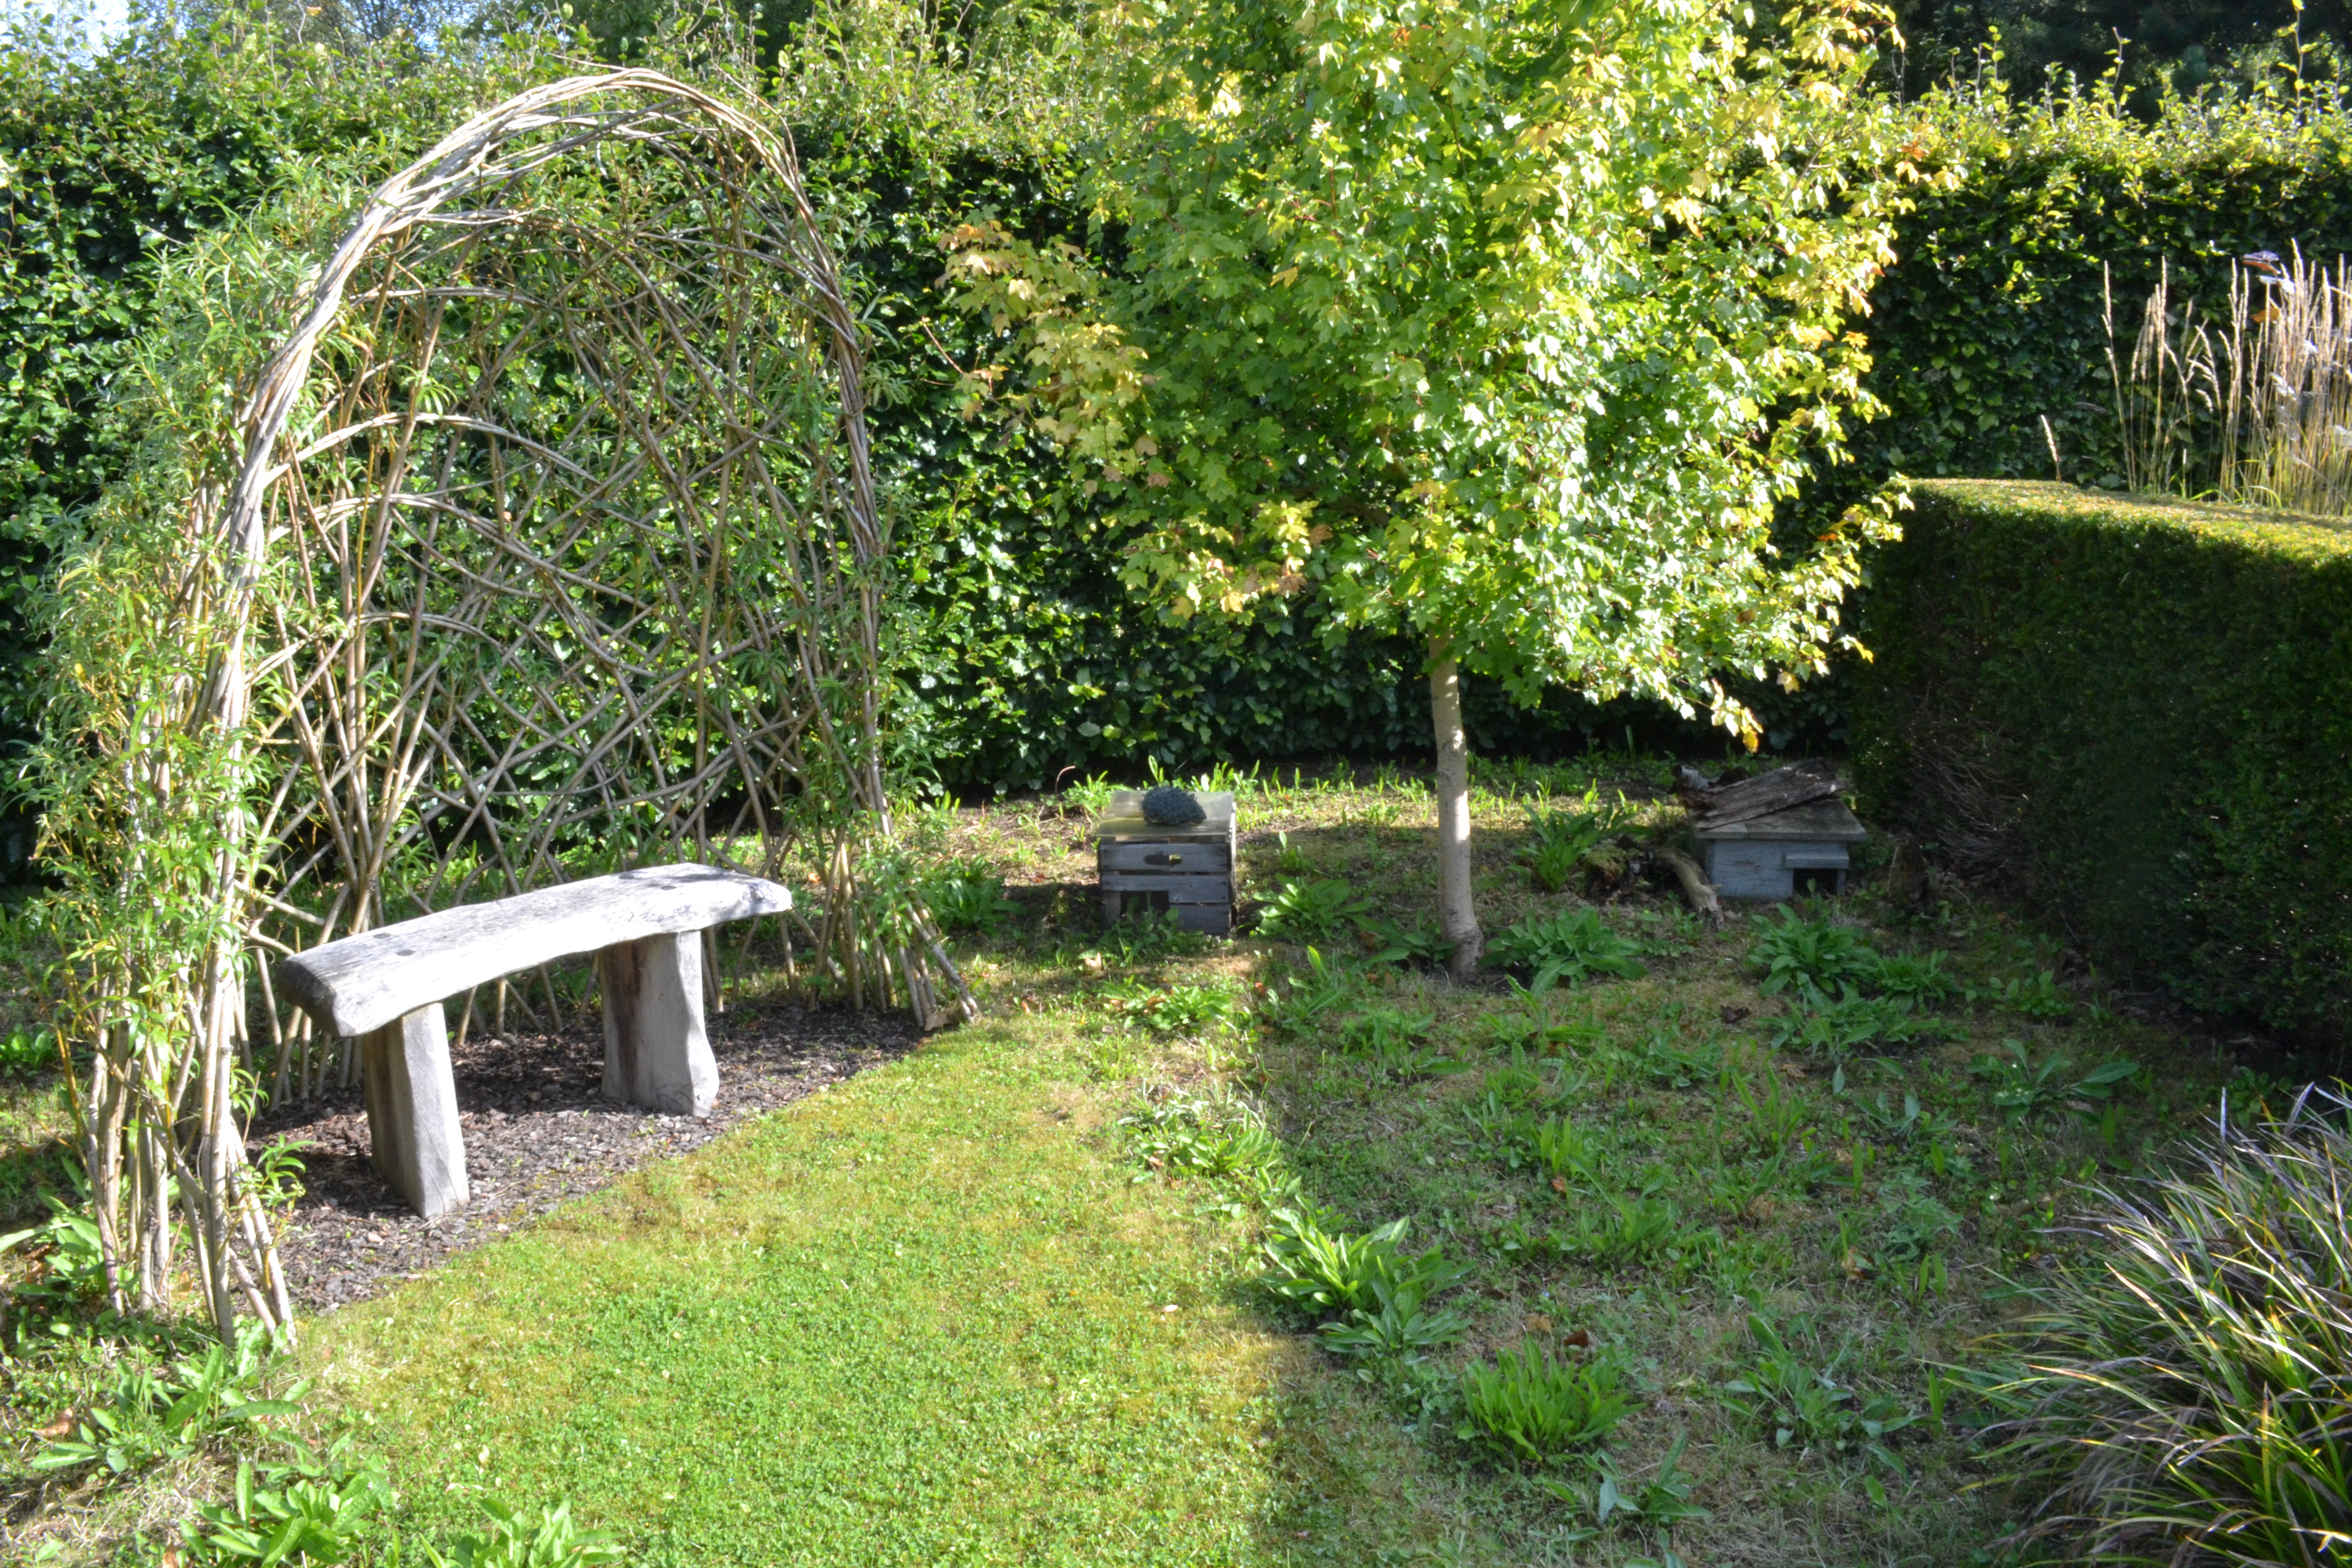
x: 538, y: 1130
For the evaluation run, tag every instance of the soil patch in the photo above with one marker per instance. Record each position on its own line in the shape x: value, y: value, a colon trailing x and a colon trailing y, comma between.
x: 538, y: 1130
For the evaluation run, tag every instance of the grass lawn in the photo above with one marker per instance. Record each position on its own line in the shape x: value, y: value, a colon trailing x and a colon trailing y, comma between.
x: 1001, y: 1302
x: 927, y: 1317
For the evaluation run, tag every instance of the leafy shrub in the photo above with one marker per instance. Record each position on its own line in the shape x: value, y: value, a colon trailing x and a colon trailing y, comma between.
x: 1527, y: 1409
x: 1811, y: 958
x: 1781, y: 1391
x: 1312, y: 910
x: 1566, y: 948
x: 2186, y: 1395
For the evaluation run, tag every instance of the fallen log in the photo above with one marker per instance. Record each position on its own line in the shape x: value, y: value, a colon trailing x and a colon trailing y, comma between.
x: 1695, y: 886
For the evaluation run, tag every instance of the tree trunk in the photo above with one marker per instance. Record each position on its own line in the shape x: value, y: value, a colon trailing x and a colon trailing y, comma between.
x: 1456, y: 907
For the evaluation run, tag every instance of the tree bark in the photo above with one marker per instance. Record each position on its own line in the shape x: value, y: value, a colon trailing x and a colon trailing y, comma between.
x: 1457, y: 908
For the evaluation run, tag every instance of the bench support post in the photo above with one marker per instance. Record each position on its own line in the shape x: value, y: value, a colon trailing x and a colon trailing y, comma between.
x: 411, y: 1109
x: 656, y: 1052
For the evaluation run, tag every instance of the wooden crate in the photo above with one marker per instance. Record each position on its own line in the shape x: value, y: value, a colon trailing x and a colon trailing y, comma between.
x: 1765, y: 857
x: 1146, y: 866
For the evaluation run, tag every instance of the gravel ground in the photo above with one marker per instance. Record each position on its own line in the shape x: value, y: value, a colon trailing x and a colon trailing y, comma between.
x: 538, y: 1130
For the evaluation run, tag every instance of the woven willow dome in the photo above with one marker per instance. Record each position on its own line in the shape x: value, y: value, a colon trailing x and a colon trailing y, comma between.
x: 552, y: 548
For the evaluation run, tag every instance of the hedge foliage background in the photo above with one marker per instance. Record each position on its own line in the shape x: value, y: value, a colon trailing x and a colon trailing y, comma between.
x: 1990, y: 320
x: 1023, y: 656
x: 2140, y: 710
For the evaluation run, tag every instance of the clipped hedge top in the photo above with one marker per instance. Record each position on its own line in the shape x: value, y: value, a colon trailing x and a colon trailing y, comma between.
x: 2311, y: 538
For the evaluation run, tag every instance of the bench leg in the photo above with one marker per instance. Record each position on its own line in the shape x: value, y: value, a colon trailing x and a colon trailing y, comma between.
x: 657, y: 1053
x: 411, y: 1109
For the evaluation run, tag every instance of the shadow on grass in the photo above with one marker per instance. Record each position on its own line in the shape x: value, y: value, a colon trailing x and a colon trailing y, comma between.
x: 34, y: 1152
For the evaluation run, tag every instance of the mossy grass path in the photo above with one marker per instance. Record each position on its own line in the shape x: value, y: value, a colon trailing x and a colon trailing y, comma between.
x: 918, y: 1318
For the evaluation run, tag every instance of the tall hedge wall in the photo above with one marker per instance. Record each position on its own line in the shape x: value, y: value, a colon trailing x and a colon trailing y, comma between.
x: 2143, y: 710
x: 1023, y: 654
x: 1989, y: 320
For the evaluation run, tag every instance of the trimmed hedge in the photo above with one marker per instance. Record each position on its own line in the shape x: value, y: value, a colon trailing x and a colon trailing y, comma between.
x: 2145, y: 708
x: 1025, y: 657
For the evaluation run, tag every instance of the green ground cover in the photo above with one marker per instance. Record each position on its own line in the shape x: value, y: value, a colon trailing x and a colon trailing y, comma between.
x: 1707, y: 1220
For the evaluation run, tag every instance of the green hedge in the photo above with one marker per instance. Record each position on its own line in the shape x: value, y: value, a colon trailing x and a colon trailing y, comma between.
x: 2143, y: 708
x: 1989, y: 321
x: 1025, y: 656
x: 106, y: 160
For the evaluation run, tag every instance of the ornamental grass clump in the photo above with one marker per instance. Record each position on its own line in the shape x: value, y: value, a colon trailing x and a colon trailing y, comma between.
x: 2187, y: 1398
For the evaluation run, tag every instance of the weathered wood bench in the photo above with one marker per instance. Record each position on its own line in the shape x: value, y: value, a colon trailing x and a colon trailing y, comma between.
x: 386, y: 989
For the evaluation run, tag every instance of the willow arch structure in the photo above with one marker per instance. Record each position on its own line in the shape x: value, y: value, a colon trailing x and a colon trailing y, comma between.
x: 549, y: 544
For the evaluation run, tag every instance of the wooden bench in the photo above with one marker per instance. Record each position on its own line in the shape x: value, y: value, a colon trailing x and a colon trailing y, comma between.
x: 386, y: 989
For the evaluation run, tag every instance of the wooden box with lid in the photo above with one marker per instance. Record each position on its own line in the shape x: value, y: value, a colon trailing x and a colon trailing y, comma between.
x: 1773, y: 836
x: 1148, y: 867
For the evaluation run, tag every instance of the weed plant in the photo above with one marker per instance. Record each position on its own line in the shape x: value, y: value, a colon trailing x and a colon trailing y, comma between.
x: 1395, y: 1045
x: 1321, y: 909
x: 1141, y: 939
x: 969, y: 898
x: 1223, y: 1140
x: 1293, y: 1003
x: 1812, y: 959
x: 1193, y: 1011
x: 1527, y: 1408
x: 1854, y: 1024
x: 1366, y: 1295
x: 149, y: 1414
x: 1781, y: 1391
x: 1565, y: 949
x: 2024, y: 1089
x: 2035, y: 996
x: 1919, y: 981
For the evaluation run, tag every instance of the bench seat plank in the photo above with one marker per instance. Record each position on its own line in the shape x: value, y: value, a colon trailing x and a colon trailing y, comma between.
x: 363, y: 983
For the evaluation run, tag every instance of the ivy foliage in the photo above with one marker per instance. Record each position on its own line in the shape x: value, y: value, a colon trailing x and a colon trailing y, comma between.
x: 2137, y: 708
